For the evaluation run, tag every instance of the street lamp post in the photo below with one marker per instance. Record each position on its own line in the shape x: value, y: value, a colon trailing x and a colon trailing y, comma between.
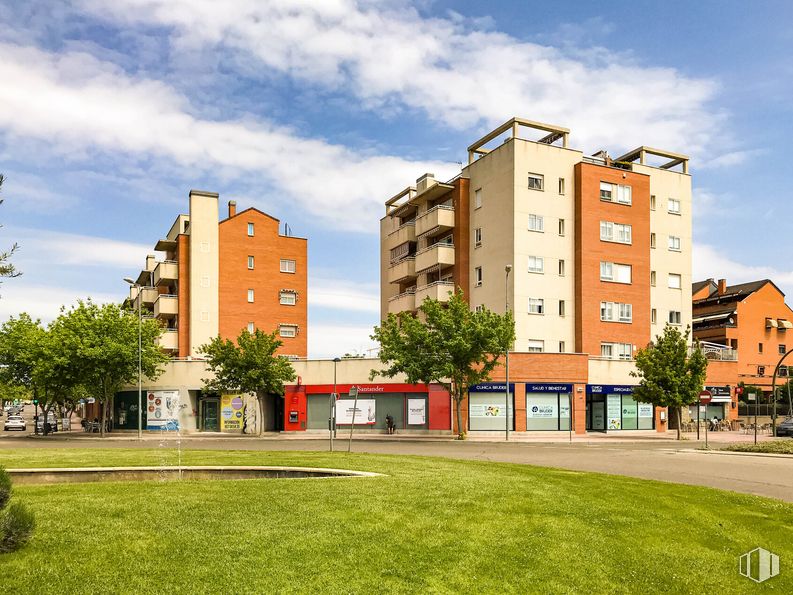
x: 507, y: 271
x: 140, y: 355
x: 332, y: 405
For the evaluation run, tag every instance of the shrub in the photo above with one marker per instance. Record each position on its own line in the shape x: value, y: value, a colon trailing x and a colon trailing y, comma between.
x: 5, y: 488
x: 16, y: 527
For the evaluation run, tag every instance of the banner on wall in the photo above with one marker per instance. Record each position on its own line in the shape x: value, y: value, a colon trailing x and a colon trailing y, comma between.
x: 162, y: 410
x: 538, y: 410
x: 489, y: 410
x: 231, y: 413
x: 645, y: 410
x: 417, y: 412
x: 364, y: 414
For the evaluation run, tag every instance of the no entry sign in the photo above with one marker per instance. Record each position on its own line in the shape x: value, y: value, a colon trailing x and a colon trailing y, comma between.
x: 705, y: 396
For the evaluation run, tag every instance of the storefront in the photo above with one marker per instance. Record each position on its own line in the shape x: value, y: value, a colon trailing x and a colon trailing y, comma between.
x: 612, y: 407
x: 548, y: 406
x: 411, y: 406
x: 487, y: 408
x: 718, y: 407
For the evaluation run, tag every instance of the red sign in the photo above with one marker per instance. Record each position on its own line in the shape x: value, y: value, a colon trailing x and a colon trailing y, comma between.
x: 705, y: 396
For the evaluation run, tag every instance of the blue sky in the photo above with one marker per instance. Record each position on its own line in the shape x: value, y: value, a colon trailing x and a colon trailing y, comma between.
x: 316, y: 112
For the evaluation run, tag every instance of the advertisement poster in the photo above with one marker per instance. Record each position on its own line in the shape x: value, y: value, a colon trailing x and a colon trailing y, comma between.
x: 364, y: 415
x: 162, y: 410
x: 645, y: 410
x: 542, y: 409
x: 231, y: 413
x: 417, y: 412
x: 614, y: 412
x: 487, y: 410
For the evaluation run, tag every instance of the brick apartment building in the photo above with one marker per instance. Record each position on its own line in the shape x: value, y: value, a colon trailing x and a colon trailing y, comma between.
x: 218, y: 277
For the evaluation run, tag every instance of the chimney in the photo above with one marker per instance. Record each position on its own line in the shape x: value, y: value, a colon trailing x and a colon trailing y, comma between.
x: 150, y: 262
x: 425, y: 182
x: 722, y: 287
x: 232, y: 208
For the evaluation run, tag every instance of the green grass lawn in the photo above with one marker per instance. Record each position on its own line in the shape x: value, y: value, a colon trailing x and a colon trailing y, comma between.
x: 429, y: 525
x: 783, y: 446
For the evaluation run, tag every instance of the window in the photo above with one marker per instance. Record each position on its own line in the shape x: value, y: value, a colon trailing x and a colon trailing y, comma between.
x: 536, y: 264
x: 615, y: 193
x: 618, y: 273
x: 535, y: 346
x: 674, y: 281
x: 204, y: 316
x: 759, y: 348
x: 478, y: 198
x: 616, y: 350
x: 204, y: 247
x: 250, y: 296
x: 287, y: 298
x: 477, y: 237
x: 479, y: 308
x: 652, y: 240
x: 287, y: 330
x: 561, y: 307
x: 653, y: 316
x: 561, y: 227
x: 536, y: 223
x: 561, y: 268
x: 478, y: 276
x: 536, y: 306
x: 652, y: 278
x: 673, y: 206
x: 674, y: 243
x: 250, y: 229
x: 674, y: 317
x: 615, y: 232
x: 561, y: 346
x: 561, y: 185
x: 616, y: 312
x: 536, y: 181
x: 287, y: 266
x: 250, y: 262
x: 652, y: 202
x: 782, y: 350
x: 251, y: 327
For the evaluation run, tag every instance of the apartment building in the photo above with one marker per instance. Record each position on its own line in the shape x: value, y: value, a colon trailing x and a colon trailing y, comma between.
x: 752, y: 320
x: 600, y: 247
x: 218, y: 277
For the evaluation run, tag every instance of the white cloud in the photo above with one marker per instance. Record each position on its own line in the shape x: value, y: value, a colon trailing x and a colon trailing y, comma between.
x: 326, y: 341
x: 344, y: 295
x: 42, y: 301
x: 453, y: 69
x: 712, y: 262
x: 730, y: 159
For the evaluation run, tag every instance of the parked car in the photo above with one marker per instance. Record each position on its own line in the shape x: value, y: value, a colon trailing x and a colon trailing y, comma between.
x: 15, y: 422
x: 785, y: 428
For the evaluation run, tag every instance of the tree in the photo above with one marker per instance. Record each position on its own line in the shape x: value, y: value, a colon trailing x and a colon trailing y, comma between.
x: 6, y: 268
x: 670, y: 375
x: 248, y: 365
x: 452, y: 346
x: 98, y: 350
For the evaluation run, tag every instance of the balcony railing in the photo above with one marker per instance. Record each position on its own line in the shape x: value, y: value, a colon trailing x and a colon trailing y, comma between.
x: 404, y: 233
x: 438, y: 290
x: 166, y: 272
x: 403, y: 302
x: 402, y: 270
x: 435, y: 255
x: 169, y: 340
x: 440, y: 218
x: 716, y: 351
x: 166, y: 306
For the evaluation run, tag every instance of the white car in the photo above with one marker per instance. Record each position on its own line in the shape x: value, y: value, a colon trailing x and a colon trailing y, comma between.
x: 14, y: 422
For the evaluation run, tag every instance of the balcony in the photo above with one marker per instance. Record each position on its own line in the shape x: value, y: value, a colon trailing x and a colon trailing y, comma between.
x: 439, y: 290
x: 402, y: 270
x: 404, y: 233
x: 166, y: 306
x: 169, y: 340
x: 148, y: 294
x: 437, y: 219
x: 717, y: 352
x: 436, y: 255
x: 404, y: 302
x: 166, y: 272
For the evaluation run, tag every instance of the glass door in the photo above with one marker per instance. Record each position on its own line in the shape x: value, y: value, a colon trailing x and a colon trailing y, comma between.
x: 210, y: 416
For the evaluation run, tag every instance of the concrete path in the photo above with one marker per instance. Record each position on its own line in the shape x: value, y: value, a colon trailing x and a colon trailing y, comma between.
x: 664, y: 460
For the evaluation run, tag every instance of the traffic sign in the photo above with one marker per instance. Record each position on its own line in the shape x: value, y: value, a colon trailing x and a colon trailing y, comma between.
x: 705, y: 396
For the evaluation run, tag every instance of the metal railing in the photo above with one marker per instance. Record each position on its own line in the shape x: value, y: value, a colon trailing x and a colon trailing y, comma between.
x: 716, y: 351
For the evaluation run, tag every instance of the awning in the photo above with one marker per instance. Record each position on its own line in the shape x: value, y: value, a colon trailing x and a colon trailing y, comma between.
x: 715, y: 316
x: 785, y: 323
x: 770, y: 323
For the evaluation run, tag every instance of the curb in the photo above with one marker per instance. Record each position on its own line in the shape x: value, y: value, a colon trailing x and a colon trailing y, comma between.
x: 775, y: 455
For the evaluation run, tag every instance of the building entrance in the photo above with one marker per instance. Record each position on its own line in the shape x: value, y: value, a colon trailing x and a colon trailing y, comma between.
x: 596, y: 413
x: 209, y: 415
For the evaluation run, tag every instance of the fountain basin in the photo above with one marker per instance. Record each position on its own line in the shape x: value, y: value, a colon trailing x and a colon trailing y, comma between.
x: 93, y: 474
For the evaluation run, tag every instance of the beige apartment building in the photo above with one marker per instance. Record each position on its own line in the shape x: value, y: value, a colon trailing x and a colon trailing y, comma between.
x: 600, y: 247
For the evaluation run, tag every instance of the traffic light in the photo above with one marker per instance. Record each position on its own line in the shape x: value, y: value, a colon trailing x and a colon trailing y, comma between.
x: 35, y: 402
